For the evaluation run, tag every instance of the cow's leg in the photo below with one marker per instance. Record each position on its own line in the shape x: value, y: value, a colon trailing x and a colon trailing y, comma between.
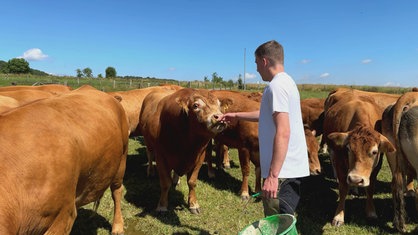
x: 255, y: 159
x: 224, y: 154
x: 150, y: 167
x: 340, y: 165
x: 116, y: 189
x: 64, y: 221
x: 117, y: 226
x: 211, y: 171
x: 191, y: 182
x: 370, y: 209
x: 244, y: 160
x: 164, y: 175
x: 339, y: 213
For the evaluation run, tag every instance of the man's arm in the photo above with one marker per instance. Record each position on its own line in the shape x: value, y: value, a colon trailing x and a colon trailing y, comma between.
x: 280, y: 146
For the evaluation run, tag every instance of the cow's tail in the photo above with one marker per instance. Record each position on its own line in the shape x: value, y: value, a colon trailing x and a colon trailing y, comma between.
x: 398, y: 197
x: 95, y: 207
x: 398, y: 177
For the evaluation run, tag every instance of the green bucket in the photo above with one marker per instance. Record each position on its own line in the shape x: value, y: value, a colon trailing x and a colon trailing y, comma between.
x: 280, y: 224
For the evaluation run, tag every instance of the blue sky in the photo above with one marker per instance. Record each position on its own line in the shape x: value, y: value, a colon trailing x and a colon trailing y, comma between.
x: 326, y: 42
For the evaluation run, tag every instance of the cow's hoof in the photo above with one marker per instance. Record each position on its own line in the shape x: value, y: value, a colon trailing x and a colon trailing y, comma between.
x: 245, y: 197
x: 195, y: 211
x: 161, y: 209
x: 337, y: 223
x: 117, y: 233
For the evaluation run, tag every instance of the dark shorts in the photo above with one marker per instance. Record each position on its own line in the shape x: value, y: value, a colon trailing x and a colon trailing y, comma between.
x: 287, y: 201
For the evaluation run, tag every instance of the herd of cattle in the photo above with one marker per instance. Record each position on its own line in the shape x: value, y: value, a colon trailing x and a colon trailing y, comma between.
x: 62, y: 148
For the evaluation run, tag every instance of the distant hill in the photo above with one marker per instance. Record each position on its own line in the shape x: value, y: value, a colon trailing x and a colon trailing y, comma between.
x: 31, y: 71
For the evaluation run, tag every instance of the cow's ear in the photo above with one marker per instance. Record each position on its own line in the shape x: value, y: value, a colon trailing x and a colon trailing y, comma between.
x: 338, y: 138
x: 183, y: 103
x: 225, y: 103
x: 385, y: 145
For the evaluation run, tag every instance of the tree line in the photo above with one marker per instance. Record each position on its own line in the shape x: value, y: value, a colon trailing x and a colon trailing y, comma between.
x: 21, y: 66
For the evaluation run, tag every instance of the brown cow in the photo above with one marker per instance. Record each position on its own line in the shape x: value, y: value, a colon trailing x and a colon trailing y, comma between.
x: 132, y: 103
x: 221, y: 150
x: 7, y: 103
x: 381, y: 99
x: 355, y: 147
x: 313, y: 117
x: 26, y: 96
x: 405, y: 133
x: 178, y: 131
x: 242, y: 135
x: 59, y: 154
x: 55, y: 89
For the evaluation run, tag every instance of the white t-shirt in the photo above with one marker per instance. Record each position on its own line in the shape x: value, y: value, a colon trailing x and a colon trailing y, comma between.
x: 282, y: 95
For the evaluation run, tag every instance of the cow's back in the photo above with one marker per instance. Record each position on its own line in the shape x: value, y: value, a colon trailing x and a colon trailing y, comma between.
x: 57, y: 153
x: 132, y: 102
x: 56, y: 89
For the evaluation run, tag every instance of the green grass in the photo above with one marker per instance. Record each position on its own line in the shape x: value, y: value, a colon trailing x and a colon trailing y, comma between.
x: 223, y: 210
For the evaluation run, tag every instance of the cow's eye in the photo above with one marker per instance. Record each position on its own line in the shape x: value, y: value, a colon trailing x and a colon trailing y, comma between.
x: 374, y: 152
x: 195, y: 106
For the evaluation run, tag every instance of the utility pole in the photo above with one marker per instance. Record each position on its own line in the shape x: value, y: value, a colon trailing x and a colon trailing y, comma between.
x: 244, y: 70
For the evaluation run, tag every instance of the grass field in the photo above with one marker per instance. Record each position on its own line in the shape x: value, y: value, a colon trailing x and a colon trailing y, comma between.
x: 223, y: 210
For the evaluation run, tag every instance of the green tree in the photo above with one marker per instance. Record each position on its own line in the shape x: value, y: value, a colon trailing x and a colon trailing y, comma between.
x: 110, y: 72
x: 216, y: 78
x: 88, y: 72
x: 79, y: 73
x: 18, y: 65
x: 3, y: 67
x: 240, y: 83
x: 206, y: 79
x: 230, y: 83
x: 100, y: 75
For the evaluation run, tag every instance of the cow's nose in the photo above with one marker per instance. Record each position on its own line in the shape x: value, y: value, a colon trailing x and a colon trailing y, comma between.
x: 355, y: 179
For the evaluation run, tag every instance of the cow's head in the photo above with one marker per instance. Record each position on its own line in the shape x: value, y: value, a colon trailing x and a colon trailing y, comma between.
x: 313, y: 149
x: 203, y: 107
x: 364, y: 146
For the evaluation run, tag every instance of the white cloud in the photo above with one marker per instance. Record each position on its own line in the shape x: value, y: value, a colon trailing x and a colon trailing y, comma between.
x: 391, y: 84
x: 171, y: 69
x: 305, y: 61
x: 324, y: 75
x: 250, y: 75
x: 366, y: 61
x: 34, y: 54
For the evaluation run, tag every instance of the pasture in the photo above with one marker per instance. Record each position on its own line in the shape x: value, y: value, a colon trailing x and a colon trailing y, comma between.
x: 223, y: 210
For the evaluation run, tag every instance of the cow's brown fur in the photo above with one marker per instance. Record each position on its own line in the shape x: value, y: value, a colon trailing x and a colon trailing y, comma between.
x: 59, y: 154
x: 132, y: 103
x: 350, y: 130
x: 55, y: 89
x: 405, y: 134
x: 177, y: 132
x: 242, y: 135
x: 313, y: 118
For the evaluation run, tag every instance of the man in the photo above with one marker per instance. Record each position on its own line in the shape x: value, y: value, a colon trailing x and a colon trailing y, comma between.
x: 283, y: 151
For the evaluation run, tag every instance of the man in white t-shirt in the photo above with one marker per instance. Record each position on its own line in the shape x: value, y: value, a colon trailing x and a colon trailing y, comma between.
x: 283, y: 151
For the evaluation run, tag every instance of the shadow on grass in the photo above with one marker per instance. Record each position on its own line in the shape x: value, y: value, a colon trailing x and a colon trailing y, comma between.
x: 88, y: 221
x: 144, y: 192
x: 319, y: 198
